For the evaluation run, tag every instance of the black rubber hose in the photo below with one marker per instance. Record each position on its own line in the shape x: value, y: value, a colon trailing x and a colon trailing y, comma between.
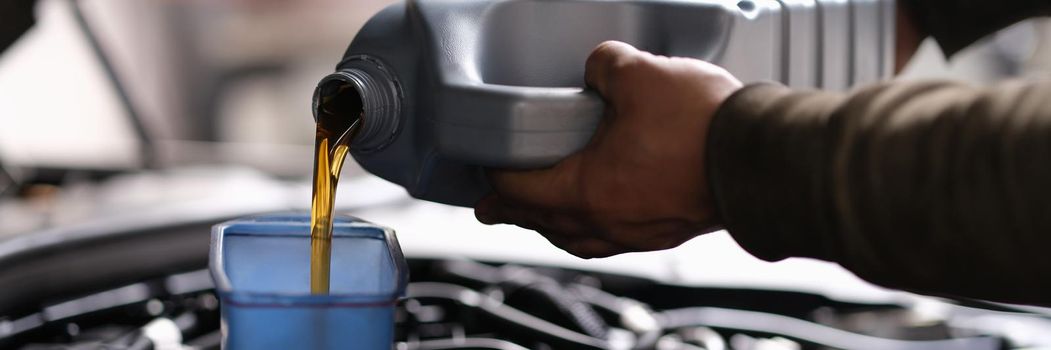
x: 579, y: 312
x: 501, y: 311
x: 806, y: 331
x: 140, y: 343
x: 512, y: 278
x: 133, y: 341
x: 466, y: 343
x: 628, y: 309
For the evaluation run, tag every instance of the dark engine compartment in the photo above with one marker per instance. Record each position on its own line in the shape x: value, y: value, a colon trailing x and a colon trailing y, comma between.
x: 143, y: 284
x: 460, y: 304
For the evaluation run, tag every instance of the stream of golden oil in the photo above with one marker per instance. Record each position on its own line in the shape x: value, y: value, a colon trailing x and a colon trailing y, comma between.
x: 328, y: 162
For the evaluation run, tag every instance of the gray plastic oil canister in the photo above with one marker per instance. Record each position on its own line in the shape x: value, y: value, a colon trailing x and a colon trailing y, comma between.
x: 450, y: 87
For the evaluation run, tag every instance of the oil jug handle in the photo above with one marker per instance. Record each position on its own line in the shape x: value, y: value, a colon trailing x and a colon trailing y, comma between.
x: 516, y: 126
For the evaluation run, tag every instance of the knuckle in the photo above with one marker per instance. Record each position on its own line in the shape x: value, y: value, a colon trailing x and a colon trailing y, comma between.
x: 616, y: 61
x: 603, y: 54
x: 627, y: 67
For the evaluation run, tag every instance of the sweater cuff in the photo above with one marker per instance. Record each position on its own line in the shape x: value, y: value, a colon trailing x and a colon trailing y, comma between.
x: 767, y: 163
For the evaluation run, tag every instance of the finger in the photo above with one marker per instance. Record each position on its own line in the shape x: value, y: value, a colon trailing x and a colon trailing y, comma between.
x: 541, y: 221
x: 608, y: 58
x: 507, y: 213
x: 553, y: 188
x: 584, y: 248
x: 483, y: 210
x: 651, y: 235
x: 604, y: 61
x: 562, y: 231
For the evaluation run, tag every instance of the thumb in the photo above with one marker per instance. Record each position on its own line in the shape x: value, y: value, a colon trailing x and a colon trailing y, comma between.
x: 607, y: 63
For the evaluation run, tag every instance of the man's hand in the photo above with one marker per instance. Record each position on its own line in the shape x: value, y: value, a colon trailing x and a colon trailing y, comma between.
x: 640, y: 183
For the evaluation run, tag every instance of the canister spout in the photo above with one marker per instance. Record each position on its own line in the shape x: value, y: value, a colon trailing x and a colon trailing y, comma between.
x: 362, y: 98
x: 338, y: 108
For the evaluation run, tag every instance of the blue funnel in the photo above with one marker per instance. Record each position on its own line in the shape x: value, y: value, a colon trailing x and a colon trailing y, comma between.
x: 261, y: 268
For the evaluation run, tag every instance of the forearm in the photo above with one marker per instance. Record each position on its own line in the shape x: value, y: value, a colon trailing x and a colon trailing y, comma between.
x: 935, y: 187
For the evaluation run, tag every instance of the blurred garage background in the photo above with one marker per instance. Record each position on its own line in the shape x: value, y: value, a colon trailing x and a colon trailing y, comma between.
x: 133, y: 116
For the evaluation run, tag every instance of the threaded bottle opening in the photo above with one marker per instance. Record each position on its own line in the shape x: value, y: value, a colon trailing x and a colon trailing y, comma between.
x: 362, y: 89
x: 338, y: 106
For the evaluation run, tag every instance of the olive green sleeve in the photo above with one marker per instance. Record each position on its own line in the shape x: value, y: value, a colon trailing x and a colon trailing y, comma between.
x: 935, y: 187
